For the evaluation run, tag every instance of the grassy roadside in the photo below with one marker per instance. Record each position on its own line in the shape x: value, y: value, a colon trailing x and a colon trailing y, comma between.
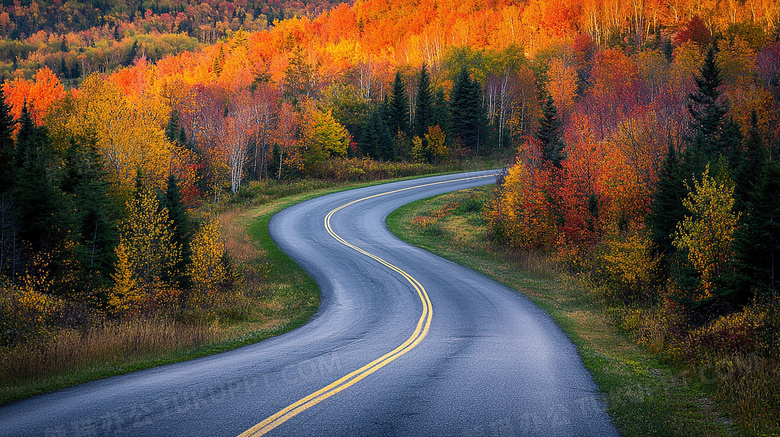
x: 644, y: 395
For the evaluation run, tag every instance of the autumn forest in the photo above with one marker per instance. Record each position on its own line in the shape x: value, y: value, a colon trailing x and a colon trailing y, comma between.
x: 640, y: 141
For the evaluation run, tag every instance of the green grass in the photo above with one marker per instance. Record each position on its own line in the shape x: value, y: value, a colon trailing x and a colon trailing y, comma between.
x: 644, y: 395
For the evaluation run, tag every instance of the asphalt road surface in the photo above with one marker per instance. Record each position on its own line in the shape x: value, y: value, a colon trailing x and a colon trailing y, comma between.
x: 405, y: 343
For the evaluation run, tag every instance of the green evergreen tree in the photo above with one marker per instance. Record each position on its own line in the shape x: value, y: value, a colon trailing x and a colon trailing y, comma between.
x: 423, y: 108
x: 7, y: 147
x: 549, y: 132
x: 713, y: 139
x: 466, y: 114
x: 10, y: 253
x: 173, y: 129
x: 219, y: 61
x: 667, y: 209
x: 749, y: 158
x: 183, y: 229
x: 441, y: 110
x: 708, y: 110
x: 757, y: 240
x: 377, y: 142
x: 131, y: 54
x: 44, y: 219
x: 97, y: 213
x: 398, y: 111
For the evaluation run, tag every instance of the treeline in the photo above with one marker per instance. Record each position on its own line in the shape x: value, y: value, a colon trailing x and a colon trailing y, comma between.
x: 77, y: 39
x: 22, y: 19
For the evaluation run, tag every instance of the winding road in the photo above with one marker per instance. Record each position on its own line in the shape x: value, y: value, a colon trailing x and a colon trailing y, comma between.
x: 405, y: 343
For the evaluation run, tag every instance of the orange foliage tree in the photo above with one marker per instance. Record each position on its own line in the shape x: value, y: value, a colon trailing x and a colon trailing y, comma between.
x: 38, y: 94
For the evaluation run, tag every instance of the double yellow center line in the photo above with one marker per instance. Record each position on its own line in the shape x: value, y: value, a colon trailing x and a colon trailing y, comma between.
x: 420, y: 331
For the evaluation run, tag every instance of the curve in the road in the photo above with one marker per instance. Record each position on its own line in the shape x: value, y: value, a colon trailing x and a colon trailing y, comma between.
x: 492, y: 363
x: 420, y: 330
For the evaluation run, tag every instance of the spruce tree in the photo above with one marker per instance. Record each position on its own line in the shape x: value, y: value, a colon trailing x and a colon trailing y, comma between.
x: 549, y: 132
x: 466, y: 115
x: 757, y: 240
x: 10, y: 261
x: 131, y: 54
x: 182, y: 226
x: 708, y: 111
x: 377, y: 142
x: 667, y: 209
x: 173, y: 128
x: 748, y: 159
x: 7, y: 147
x: 712, y: 136
x: 423, y: 109
x: 441, y: 110
x: 397, y: 111
x: 96, y: 215
x: 39, y: 204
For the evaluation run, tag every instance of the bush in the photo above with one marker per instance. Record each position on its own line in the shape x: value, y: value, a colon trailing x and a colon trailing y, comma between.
x: 365, y: 169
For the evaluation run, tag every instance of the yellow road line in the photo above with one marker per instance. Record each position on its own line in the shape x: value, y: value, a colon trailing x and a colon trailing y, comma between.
x: 420, y: 331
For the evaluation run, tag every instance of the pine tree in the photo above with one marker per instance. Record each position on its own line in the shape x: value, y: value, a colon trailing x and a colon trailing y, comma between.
x: 667, y: 209
x: 423, y: 108
x: 757, y: 241
x: 131, y: 54
x: 466, y: 115
x: 441, y: 110
x: 748, y: 159
x: 38, y: 201
x: 7, y: 147
x: 708, y: 111
x: 10, y: 259
x: 398, y: 112
x: 96, y: 217
x: 219, y: 61
x: 182, y: 228
x: 713, y: 137
x: 549, y: 132
x: 377, y: 142
x: 173, y: 128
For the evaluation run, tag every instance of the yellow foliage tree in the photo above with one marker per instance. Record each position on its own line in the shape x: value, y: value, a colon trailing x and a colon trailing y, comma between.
x: 437, y: 149
x: 322, y: 137
x: 521, y: 213
x: 626, y: 261
x: 418, y: 149
x: 563, y: 85
x: 206, y: 270
x: 129, y: 132
x: 707, y: 233
x: 146, y: 257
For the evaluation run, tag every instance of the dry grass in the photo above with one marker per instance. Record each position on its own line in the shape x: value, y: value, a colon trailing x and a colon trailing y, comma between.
x: 751, y: 385
x: 248, y: 258
x: 112, y: 344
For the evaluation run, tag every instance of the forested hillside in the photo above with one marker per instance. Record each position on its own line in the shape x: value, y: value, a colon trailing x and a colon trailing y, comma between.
x: 75, y: 39
x: 645, y: 137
